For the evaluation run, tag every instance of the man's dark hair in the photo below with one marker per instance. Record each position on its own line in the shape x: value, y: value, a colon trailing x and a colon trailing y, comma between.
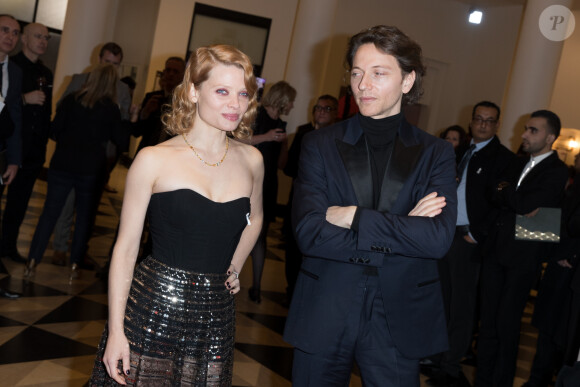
x: 113, y: 48
x: 554, y: 124
x: 176, y: 59
x: 328, y: 97
x: 130, y: 82
x: 488, y: 105
x: 393, y: 41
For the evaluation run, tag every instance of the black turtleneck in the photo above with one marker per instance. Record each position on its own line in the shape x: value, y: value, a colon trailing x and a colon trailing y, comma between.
x: 379, y: 135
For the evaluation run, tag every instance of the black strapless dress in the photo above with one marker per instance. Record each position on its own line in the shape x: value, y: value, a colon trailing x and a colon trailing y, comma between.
x: 180, y: 317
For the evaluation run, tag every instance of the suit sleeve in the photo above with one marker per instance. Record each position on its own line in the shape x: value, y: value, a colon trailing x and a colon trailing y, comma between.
x: 416, y: 236
x: 314, y: 235
x: 14, y: 104
x: 379, y: 234
x: 74, y: 85
x: 124, y: 99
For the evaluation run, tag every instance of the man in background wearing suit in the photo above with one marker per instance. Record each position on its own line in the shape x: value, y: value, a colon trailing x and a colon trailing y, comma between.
x: 374, y: 207
x: 37, y: 99
x: 11, y: 99
x: 10, y: 110
x: 480, y: 164
x: 149, y: 125
x: 511, y: 267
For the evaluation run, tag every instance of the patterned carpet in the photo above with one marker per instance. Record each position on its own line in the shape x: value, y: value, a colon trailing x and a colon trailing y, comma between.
x: 49, y: 336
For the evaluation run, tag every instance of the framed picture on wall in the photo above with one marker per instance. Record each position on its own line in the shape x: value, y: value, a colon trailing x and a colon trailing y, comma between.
x: 213, y: 25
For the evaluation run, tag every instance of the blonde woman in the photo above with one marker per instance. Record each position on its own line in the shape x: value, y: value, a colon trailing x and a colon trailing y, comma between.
x: 85, y: 121
x: 171, y: 320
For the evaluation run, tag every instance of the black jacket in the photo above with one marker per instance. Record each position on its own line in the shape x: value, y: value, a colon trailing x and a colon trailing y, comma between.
x: 543, y: 186
x: 485, y: 167
x: 35, y: 118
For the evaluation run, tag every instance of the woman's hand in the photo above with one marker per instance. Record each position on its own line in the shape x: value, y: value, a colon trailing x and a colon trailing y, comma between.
x: 430, y: 206
x: 117, y: 349
x: 233, y: 283
x: 277, y: 135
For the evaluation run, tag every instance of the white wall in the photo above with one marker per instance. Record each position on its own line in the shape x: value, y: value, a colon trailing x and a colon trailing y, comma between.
x: 134, y: 30
x: 174, y: 23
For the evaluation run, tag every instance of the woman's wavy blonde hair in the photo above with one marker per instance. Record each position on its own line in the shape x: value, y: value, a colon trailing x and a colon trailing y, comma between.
x: 179, y: 119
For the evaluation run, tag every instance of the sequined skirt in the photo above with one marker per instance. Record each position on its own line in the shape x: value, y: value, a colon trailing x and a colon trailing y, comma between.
x: 180, y: 327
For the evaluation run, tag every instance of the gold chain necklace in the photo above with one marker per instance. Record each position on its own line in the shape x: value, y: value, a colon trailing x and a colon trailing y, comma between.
x: 205, y: 162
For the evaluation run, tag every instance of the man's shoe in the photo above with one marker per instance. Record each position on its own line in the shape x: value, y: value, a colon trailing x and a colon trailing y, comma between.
x: 8, y: 294
x: 443, y: 380
x: 59, y: 258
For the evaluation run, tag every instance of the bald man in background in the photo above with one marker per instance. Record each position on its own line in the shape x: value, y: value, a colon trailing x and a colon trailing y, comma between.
x: 36, y: 111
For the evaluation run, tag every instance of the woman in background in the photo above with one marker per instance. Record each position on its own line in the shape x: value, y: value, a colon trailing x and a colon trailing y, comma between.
x: 85, y: 121
x: 172, y: 318
x: 270, y: 139
x: 455, y: 135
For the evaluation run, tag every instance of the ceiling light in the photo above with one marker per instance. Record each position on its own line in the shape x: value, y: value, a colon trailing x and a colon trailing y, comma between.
x: 475, y: 16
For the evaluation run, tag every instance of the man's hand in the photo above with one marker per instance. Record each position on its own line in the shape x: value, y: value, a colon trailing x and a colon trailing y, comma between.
x: 430, y: 206
x: 151, y: 105
x: 10, y: 174
x: 134, y: 113
x: 533, y: 213
x: 36, y: 97
x: 340, y: 216
x: 565, y: 263
x: 469, y: 239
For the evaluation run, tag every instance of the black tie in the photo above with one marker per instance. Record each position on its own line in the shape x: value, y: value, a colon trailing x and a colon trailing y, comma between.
x: 464, y: 160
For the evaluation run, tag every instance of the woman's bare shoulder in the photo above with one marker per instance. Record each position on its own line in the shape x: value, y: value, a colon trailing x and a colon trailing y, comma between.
x: 249, y: 153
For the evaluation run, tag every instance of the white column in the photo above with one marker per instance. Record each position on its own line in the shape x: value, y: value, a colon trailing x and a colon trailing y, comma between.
x: 308, y: 57
x: 533, y: 73
x: 87, y: 25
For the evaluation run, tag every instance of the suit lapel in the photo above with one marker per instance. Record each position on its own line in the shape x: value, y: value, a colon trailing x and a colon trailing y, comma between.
x: 538, y: 168
x: 401, y: 163
x: 355, y: 156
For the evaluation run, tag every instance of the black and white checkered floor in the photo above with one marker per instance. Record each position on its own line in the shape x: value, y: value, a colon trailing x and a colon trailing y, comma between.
x: 48, y: 337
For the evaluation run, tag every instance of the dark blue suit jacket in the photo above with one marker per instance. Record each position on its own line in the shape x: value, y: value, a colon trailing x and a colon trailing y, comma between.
x: 335, y: 171
x: 13, y: 103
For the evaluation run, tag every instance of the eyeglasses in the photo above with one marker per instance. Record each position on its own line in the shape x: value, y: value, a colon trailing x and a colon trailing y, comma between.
x: 40, y: 36
x: 328, y: 109
x: 481, y: 121
x: 8, y: 31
